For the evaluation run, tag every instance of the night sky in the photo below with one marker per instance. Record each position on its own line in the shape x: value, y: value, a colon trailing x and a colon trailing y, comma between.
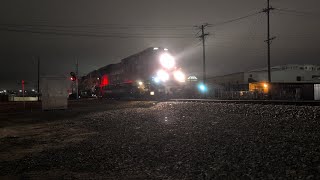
x: 98, y: 33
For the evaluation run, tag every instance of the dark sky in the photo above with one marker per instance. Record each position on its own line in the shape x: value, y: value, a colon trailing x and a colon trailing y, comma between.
x: 129, y: 26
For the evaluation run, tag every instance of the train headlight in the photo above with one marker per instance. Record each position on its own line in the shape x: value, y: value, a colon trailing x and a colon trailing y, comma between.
x: 167, y: 61
x: 162, y: 75
x: 156, y: 80
x: 179, y: 76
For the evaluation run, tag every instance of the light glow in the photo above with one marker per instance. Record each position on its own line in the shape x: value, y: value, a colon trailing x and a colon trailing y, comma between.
x: 104, y: 80
x: 202, y: 87
x: 265, y: 85
x: 163, y: 75
x: 156, y: 80
x: 179, y: 76
x: 167, y: 61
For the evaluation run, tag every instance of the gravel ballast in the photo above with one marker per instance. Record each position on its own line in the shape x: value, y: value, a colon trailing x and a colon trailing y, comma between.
x: 167, y: 140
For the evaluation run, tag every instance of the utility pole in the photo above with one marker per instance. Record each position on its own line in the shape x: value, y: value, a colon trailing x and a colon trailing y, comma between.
x: 24, y: 101
x: 269, y: 39
x: 38, y: 87
x: 77, y: 76
x: 203, y: 37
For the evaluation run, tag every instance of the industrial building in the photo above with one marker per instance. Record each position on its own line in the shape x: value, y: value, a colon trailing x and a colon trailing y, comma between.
x: 291, y: 73
x: 291, y: 81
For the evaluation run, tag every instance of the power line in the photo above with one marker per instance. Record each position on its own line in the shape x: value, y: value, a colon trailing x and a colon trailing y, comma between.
x: 73, y: 30
x: 54, y: 32
x: 106, y: 26
x: 296, y: 12
x: 234, y: 20
x: 98, y: 32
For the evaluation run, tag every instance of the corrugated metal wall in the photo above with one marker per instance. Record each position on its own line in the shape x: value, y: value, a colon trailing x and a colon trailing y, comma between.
x: 317, y: 92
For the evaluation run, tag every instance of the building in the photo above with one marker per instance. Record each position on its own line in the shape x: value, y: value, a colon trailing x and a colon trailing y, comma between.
x: 291, y: 73
x: 230, y: 82
x: 291, y: 81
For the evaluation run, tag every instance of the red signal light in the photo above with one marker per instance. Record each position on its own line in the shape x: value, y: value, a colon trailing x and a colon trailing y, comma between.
x: 73, y: 76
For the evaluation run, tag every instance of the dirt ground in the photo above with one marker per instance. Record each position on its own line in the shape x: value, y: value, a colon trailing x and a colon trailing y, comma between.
x: 161, y: 140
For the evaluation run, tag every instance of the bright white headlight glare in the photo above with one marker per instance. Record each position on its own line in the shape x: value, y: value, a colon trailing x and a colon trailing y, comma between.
x: 167, y: 61
x: 179, y: 76
x: 156, y: 80
x: 162, y: 75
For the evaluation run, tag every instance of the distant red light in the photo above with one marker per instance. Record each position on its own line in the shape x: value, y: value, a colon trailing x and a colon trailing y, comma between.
x: 128, y: 82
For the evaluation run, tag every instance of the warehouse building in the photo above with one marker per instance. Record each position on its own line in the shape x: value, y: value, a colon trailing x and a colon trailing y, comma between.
x: 291, y: 81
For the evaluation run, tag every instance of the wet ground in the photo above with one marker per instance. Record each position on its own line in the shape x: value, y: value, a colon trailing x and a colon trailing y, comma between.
x: 165, y: 140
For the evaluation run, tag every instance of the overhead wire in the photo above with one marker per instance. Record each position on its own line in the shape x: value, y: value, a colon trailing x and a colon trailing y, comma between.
x: 234, y: 19
x: 92, y: 34
x: 103, y: 32
x: 91, y: 30
x: 297, y: 12
x: 102, y: 26
x: 73, y: 30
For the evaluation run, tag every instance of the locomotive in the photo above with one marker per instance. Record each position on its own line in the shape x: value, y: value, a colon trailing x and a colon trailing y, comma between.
x: 152, y: 73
